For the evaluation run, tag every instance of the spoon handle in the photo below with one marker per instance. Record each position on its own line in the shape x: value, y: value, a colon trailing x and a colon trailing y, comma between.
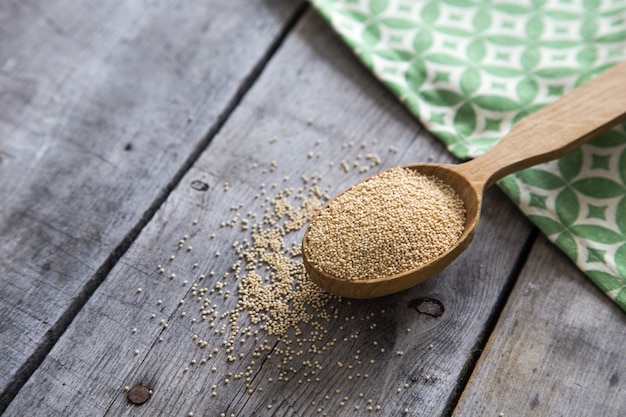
x: 554, y: 130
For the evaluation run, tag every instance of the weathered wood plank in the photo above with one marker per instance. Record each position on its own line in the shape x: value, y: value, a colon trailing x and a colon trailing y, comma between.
x: 95, y: 99
x: 558, y: 349
x: 312, y: 89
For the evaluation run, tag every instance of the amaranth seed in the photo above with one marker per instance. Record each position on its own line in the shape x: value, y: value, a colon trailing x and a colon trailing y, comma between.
x: 393, y: 222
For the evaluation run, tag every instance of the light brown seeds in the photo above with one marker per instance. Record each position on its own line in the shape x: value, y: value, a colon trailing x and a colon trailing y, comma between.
x: 393, y: 222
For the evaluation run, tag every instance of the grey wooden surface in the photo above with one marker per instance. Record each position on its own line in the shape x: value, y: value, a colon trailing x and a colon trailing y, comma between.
x: 558, y: 348
x: 114, y: 118
x: 95, y: 131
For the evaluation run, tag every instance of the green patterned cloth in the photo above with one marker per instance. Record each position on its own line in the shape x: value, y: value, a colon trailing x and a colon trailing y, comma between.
x: 470, y: 69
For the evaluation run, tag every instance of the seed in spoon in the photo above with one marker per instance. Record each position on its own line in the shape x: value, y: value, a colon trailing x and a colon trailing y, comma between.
x: 391, y: 223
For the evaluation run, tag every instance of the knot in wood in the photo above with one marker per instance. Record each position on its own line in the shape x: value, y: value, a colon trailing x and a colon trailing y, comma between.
x: 199, y: 185
x: 428, y: 306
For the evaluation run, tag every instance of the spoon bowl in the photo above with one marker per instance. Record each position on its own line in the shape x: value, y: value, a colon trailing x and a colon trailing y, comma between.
x: 471, y: 196
x: 546, y: 134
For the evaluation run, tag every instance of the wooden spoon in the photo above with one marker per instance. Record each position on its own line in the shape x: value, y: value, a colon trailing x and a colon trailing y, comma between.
x: 546, y: 134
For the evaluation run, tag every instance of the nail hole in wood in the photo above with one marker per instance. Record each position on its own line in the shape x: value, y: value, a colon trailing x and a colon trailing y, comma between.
x: 138, y: 394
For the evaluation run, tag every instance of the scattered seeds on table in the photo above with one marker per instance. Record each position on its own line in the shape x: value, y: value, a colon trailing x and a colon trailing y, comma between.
x: 275, y: 313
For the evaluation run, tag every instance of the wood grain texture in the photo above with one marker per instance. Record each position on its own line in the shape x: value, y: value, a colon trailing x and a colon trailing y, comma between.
x: 312, y: 89
x: 557, y: 349
x: 95, y: 127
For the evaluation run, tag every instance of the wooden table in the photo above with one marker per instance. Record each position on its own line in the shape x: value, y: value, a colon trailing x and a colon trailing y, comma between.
x: 121, y: 122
